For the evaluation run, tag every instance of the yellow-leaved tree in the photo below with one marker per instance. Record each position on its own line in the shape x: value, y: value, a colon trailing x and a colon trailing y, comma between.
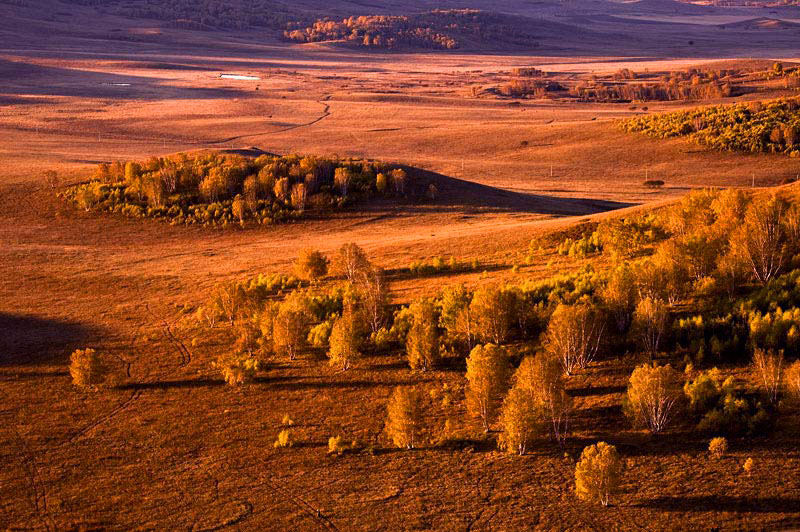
x: 345, y: 339
x: 487, y: 380
x: 404, y: 417
x: 422, y: 341
x: 598, y: 474
x: 653, y: 392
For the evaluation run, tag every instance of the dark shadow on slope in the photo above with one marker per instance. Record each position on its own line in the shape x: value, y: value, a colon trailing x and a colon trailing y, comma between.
x: 458, y: 194
x: 29, y: 340
x: 23, y: 78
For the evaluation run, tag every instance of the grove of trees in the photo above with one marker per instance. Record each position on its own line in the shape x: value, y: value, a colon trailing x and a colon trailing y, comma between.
x: 214, y: 189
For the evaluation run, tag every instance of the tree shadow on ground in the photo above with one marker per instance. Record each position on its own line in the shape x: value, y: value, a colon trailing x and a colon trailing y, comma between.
x: 338, y: 385
x: 32, y: 340
x: 590, y: 391
x: 724, y: 503
x: 173, y: 384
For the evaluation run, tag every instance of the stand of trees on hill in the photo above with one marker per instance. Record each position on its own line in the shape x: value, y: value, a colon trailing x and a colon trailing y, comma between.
x: 771, y: 127
x: 218, y: 189
x: 441, y: 29
x: 711, y: 282
x: 733, y: 257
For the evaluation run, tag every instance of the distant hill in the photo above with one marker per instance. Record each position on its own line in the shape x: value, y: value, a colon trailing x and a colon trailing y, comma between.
x: 762, y: 23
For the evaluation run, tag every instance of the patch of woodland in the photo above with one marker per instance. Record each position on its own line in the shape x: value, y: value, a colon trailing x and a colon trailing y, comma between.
x: 438, y: 29
x: 218, y: 189
x: 758, y: 127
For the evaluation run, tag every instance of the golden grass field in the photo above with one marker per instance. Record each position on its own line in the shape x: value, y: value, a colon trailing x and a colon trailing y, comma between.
x: 175, y: 448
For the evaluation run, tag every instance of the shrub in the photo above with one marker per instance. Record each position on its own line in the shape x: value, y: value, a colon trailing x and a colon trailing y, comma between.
x: 311, y: 265
x: 598, y: 474
x: 404, y: 417
x: 286, y: 421
x: 337, y: 445
x: 747, y: 467
x: 87, y: 369
x: 706, y: 390
x: 284, y: 439
x: 487, y: 381
x: 236, y: 369
x: 653, y: 392
x: 736, y: 415
x: 718, y: 447
x: 320, y: 334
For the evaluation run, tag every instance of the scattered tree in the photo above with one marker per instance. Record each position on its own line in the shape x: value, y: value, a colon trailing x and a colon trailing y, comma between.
x: 598, y: 474
x: 290, y: 325
x: 455, y: 316
x: 351, y: 262
x: 491, y: 309
x: 793, y: 380
x: 762, y: 238
x: 311, y: 265
x: 650, y: 321
x: 520, y: 419
x: 422, y: 342
x: 574, y: 334
x: 487, y: 381
x: 345, y: 340
x: 768, y: 367
x: 542, y: 376
x: 404, y: 417
x: 619, y: 296
x: 653, y: 392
